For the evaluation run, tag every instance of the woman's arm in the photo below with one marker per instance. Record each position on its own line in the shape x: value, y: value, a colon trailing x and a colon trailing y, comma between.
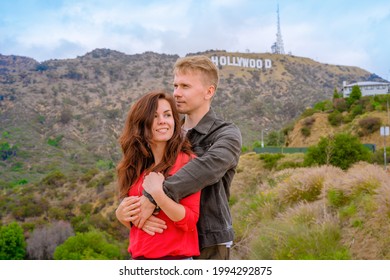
x: 153, y: 185
x: 128, y: 210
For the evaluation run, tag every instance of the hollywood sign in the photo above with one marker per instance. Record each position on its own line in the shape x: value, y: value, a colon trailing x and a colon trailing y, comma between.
x: 241, y: 62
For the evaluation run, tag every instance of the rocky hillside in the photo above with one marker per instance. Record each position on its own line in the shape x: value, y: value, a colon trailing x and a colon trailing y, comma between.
x: 68, y: 114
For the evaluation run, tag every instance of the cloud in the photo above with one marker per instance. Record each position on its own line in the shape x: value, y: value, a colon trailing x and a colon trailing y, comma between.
x: 331, y: 31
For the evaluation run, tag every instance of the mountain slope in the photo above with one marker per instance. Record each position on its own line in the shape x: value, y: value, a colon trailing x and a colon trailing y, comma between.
x: 68, y: 114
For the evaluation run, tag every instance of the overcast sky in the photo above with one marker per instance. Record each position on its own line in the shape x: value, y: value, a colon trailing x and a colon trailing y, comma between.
x: 343, y: 32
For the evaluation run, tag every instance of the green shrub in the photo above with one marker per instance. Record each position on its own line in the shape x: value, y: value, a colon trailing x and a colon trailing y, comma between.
x: 306, y: 131
x: 286, y: 241
x: 270, y: 160
x: 89, y: 175
x: 7, y: 151
x: 336, y: 198
x: 54, y: 178
x: 323, y: 105
x: 30, y: 206
x: 335, y: 118
x: 93, y: 245
x: 379, y: 158
x: 55, y: 142
x: 342, y: 151
x: 12, y: 242
x: 356, y: 110
x: 289, y: 164
x: 308, y: 112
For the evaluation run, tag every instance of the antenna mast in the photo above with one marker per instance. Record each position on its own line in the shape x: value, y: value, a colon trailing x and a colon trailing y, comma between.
x: 278, y: 47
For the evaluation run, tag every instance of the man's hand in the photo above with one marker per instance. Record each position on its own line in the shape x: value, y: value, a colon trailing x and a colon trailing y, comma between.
x: 153, y: 183
x: 153, y: 225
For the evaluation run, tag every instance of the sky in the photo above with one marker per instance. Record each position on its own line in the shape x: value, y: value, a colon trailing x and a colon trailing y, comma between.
x: 341, y: 32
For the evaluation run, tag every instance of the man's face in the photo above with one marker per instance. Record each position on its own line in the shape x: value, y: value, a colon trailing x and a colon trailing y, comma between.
x: 190, y: 92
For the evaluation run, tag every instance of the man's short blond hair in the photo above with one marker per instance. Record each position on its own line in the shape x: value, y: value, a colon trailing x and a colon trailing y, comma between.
x: 198, y: 63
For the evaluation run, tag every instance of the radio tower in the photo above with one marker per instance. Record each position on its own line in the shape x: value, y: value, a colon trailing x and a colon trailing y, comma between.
x: 277, y: 47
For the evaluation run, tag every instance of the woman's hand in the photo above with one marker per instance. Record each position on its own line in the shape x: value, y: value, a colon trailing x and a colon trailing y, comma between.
x: 128, y: 210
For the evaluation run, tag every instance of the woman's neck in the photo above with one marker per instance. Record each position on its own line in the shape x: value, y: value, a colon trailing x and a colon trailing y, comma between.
x: 158, y: 151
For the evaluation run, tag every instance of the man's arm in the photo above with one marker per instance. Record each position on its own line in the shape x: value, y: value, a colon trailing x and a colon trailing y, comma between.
x: 200, y: 172
x: 207, y: 169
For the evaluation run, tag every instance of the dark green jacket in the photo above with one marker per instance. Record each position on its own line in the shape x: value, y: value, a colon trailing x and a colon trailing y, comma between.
x: 218, y: 146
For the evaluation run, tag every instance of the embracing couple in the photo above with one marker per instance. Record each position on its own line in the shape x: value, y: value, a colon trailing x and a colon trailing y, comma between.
x: 175, y: 174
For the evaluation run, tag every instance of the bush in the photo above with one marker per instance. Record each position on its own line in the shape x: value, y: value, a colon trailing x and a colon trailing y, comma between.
x: 298, y: 238
x: 340, y: 104
x: 7, y: 151
x: 306, y: 131
x: 369, y: 125
x: 12, y: 243
x: 335, y: 118
x: 93, y: 245
x: 341, y: 150
x: 323, y: 105
x: 55, y: 178
x: 66, y: 116
x: 270, y: 160
x: 30, y: 206
x: 44, y: 240
x: 356, y: 110
x: 379, y: 158
x: 55, y: 142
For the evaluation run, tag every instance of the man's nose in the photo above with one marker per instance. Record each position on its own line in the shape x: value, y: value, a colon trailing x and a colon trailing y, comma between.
x: 176, y: 92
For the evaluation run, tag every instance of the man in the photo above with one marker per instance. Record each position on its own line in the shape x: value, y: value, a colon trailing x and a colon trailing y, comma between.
x: 217, y: 145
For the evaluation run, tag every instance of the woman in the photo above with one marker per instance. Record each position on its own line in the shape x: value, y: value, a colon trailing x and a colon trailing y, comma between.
x: 152, y: 143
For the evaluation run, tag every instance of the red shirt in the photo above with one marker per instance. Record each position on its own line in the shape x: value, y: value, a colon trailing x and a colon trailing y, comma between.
x: 180, y: 238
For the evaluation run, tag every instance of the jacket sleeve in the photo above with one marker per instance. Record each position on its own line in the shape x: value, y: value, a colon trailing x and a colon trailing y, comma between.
x: 207, y: 169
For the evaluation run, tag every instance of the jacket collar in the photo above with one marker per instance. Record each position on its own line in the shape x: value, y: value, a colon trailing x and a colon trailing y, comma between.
x: 206, y: 122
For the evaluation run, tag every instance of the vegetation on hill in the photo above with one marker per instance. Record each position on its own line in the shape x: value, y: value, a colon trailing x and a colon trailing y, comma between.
x: 310, y: 212
x: 60, y: 120
x: 356, y: 115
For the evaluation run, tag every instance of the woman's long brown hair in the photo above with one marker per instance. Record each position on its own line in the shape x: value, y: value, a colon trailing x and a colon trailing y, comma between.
x: 137, y: 136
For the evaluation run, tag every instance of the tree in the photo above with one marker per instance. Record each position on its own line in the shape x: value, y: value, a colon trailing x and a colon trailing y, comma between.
x: 356, y: 94
x: 342, y: 151
x: 44, y: 240
x: 275, y: 138
x: 93, y: 245
x: 336, y: 94
x: 12, y: 243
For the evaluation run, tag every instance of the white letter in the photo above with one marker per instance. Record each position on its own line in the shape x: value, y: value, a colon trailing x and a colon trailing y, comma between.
x: 252, y: 63
x: 214, y: 59
x: 268, y: 63
x: 222, y: 60
x: 259, y: 63
x: 228, y: 61
x: 244, y: 62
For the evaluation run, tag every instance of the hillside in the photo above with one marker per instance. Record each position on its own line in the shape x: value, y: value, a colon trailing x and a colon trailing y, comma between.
x: 321, y: 127
x: 320, y: 213
x: 60, y: 121
x: 68, y: 114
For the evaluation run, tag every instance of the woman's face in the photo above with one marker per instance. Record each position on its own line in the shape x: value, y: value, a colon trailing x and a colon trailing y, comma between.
x: 163, y: 124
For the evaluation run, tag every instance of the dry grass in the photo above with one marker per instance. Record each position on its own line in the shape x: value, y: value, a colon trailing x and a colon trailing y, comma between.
x: 312, y: 213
